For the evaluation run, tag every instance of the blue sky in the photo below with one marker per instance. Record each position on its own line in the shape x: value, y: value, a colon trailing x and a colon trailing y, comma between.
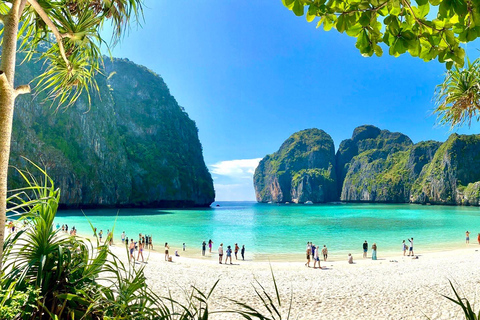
x: 252, y: 73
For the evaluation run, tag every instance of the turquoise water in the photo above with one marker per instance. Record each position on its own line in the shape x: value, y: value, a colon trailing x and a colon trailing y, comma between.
x: 280, y: 232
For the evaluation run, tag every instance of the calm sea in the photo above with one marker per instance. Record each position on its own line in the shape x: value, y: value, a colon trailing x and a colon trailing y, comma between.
x: 280, y: 232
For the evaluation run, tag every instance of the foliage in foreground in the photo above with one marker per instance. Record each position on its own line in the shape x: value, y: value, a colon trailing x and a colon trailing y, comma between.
x: 428, y: 29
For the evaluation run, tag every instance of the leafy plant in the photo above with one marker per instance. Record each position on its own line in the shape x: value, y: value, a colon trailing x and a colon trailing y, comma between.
x: 464, y: 304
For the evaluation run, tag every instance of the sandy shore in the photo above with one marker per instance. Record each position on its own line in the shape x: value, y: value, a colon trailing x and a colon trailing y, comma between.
x: 404, y: 289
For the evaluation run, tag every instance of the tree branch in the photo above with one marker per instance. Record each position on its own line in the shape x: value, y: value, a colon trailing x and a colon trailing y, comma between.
x: 23, y: 89
x: 38, y: 8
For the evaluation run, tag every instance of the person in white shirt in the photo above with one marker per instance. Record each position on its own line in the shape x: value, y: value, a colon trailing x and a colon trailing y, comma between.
x: 220, y: 253
x: 316, y: 259
x: 123, y: 237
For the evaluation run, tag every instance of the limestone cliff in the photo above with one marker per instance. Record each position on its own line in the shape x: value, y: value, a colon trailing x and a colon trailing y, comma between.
x: 301, y: 170
x: 382, y: 166
x: 135, y: 146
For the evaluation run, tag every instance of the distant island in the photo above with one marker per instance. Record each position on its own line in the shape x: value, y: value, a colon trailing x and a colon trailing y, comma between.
x: 373, y: 166
x: 134, y: 147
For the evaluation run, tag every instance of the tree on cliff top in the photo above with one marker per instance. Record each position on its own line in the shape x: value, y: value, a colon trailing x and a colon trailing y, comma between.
x: 69, y: 33
x: 428, y: 29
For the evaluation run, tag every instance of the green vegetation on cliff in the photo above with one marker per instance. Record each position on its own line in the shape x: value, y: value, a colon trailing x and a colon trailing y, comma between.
x: 134, y: 147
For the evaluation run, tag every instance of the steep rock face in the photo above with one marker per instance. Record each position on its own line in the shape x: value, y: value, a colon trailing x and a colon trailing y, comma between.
x: 450, y: 178
x: 378, y: 172
x: 134, y: 147
x: 303, y: 169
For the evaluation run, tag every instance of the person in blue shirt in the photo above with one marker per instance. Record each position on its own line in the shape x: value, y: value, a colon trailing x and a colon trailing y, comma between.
x: 229, y: 254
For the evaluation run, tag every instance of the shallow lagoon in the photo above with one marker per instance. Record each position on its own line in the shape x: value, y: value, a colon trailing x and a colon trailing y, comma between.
x: 280, y: 232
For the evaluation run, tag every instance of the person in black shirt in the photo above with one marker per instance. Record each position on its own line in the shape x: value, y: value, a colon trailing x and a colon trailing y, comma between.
x: 365, y: 248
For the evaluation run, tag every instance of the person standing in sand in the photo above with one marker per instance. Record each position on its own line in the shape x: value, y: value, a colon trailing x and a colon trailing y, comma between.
x: 467, y: 237
x: 229, y: 255
x: 309, y: 252
x: 325, y: 252
x: 243, y: 249
x: 123, y: 237
x: 141, y: 245
x: 374, y: 251
x: 210, y: 243
x: 220, y: 253
x: 204, y: 248
x: 365, y: 249
x: 316, y: 259
x: 236, y: 250
x: 167, y: 256
x: 404, y: 245
x: 100, y: 235
x: 478, y: 238
x: 410, y: 250
x: 132, y: 247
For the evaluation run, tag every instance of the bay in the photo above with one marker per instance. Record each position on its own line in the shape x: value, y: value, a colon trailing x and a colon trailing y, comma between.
x: 280, y: 232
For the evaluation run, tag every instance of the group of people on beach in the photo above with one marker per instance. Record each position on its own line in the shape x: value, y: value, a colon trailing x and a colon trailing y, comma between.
x: 467, y: 237
x: 313, y: 252
x: 73, y: 231
x: 144, y: 242
x: 228, y: 252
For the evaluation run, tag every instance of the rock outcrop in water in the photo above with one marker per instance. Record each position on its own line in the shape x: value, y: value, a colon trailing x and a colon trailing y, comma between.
x: 382, y: 166
x: 135, y: 147
x: 303, y: 169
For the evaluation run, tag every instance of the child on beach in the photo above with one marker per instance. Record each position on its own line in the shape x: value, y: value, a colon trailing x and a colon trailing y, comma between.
x: 229, y: 255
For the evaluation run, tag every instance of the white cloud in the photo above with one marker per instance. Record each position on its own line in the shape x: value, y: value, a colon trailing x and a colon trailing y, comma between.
x: 233, y: 179
x: 243, y: 168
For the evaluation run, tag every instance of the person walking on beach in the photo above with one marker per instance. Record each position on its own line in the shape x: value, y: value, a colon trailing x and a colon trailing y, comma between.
x: 365, y: 249
x: 220, y: 253
x: 243, y: 249
x: 132, y: 247
x: 410, y: 250
x: 404, y: 245
x: 467, y: 237
x: 167, y: 256
x: 314, y: 248
x: 123, y: 237
x: 316, y: 259
x: 210, y: 243
x: 236, y: 250
x: 229, y: 255
x: 374, y: 251
x: 141, y: 245
x: 309, y: 252
x: 325, y: 252
x: 204, y: 248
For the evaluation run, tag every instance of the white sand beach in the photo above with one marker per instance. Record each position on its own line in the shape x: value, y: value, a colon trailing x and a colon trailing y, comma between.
x: 405, y: 289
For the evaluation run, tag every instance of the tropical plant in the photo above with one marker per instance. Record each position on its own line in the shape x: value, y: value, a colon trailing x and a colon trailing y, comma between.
x: 464, y: 304
x: 66, y: 33
x: 67, y: 277
x: 428, y: 29
x: 458, y: 97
